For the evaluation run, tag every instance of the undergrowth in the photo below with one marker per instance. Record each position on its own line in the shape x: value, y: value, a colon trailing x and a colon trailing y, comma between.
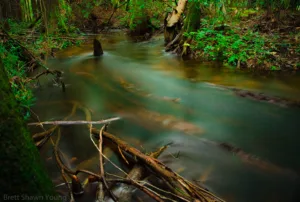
x: 229, y: 46
x: 242, y: 46
x: 15, y: 63
x: 16, y: 71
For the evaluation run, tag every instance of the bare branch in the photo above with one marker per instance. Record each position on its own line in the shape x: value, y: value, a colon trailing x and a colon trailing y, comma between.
x: 73, y: 122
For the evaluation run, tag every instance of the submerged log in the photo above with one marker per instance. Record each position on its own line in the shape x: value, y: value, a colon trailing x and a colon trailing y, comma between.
x: 98, y: 51
x: 267, y: 98
x: 255, y: 161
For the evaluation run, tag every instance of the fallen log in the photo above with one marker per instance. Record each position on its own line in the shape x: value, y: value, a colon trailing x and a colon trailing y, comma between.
x: 184, y: 188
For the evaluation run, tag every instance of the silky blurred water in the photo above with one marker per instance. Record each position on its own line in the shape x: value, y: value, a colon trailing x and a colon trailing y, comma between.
x: 139, y: 82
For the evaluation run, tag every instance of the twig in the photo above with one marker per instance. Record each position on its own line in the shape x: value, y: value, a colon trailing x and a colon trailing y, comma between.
x: 42, y: 135
x: 122, y: 155
x: 100, y: 192
x: 73, y: 122
x: 43, y: 141
x: 91, y: 137
x: 68, y: 185
x: 57, y: 73
x: 62, y: 168
x: 39, y: 136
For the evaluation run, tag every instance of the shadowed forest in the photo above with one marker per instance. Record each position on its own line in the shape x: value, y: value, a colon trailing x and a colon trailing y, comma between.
x: 149, y: 100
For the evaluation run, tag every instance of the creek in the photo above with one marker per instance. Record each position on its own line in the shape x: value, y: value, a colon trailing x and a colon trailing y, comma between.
x: 162, y: 99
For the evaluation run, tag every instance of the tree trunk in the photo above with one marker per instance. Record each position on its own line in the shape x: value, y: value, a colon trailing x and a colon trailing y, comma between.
x: 22, y: 173
x: 10, y: 9
x: 173, y: 22
x: 174, y: 30
x: 192, y: 23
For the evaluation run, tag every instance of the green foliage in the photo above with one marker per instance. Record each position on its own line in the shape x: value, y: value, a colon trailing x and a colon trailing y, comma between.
x: 87, y: 6
x: 15, y: 64
x: 15, y: 68
x: 229, y: 46
x: 17, y: 27
x: 140, y: 10
x: 27, y: 12
x: 274, y: 68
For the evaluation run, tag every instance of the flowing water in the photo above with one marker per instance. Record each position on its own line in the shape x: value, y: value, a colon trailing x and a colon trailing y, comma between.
x: 162, y: 99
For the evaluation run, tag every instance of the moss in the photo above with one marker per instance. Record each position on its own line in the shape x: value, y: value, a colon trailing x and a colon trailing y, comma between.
x: 22, y: 172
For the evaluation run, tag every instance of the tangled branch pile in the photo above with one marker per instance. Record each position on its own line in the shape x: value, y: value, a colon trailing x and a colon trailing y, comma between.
x: 171, y: 186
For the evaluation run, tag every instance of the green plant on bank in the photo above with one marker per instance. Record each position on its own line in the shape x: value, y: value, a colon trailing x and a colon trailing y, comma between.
x: 243, y: 13
x: 16, y: 68
x: 229, y: 46
x: 44, y: 44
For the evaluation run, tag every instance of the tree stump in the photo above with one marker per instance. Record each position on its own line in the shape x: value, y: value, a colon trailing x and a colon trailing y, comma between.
x: 98, y: 51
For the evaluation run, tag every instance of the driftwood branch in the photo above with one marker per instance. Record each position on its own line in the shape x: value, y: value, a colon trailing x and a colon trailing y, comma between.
x: 73, y: 122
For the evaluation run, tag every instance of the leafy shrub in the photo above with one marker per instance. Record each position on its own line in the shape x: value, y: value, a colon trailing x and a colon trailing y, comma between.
x: 228, y: 45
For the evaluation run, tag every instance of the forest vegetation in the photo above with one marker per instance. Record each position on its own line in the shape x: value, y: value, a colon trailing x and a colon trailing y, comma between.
x: 250, y: 35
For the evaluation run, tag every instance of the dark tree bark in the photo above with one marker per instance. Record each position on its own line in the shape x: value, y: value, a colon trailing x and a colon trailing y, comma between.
x: 22, y: 173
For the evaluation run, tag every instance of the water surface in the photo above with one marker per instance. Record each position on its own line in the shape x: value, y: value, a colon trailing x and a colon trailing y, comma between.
x: 163, y: 99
